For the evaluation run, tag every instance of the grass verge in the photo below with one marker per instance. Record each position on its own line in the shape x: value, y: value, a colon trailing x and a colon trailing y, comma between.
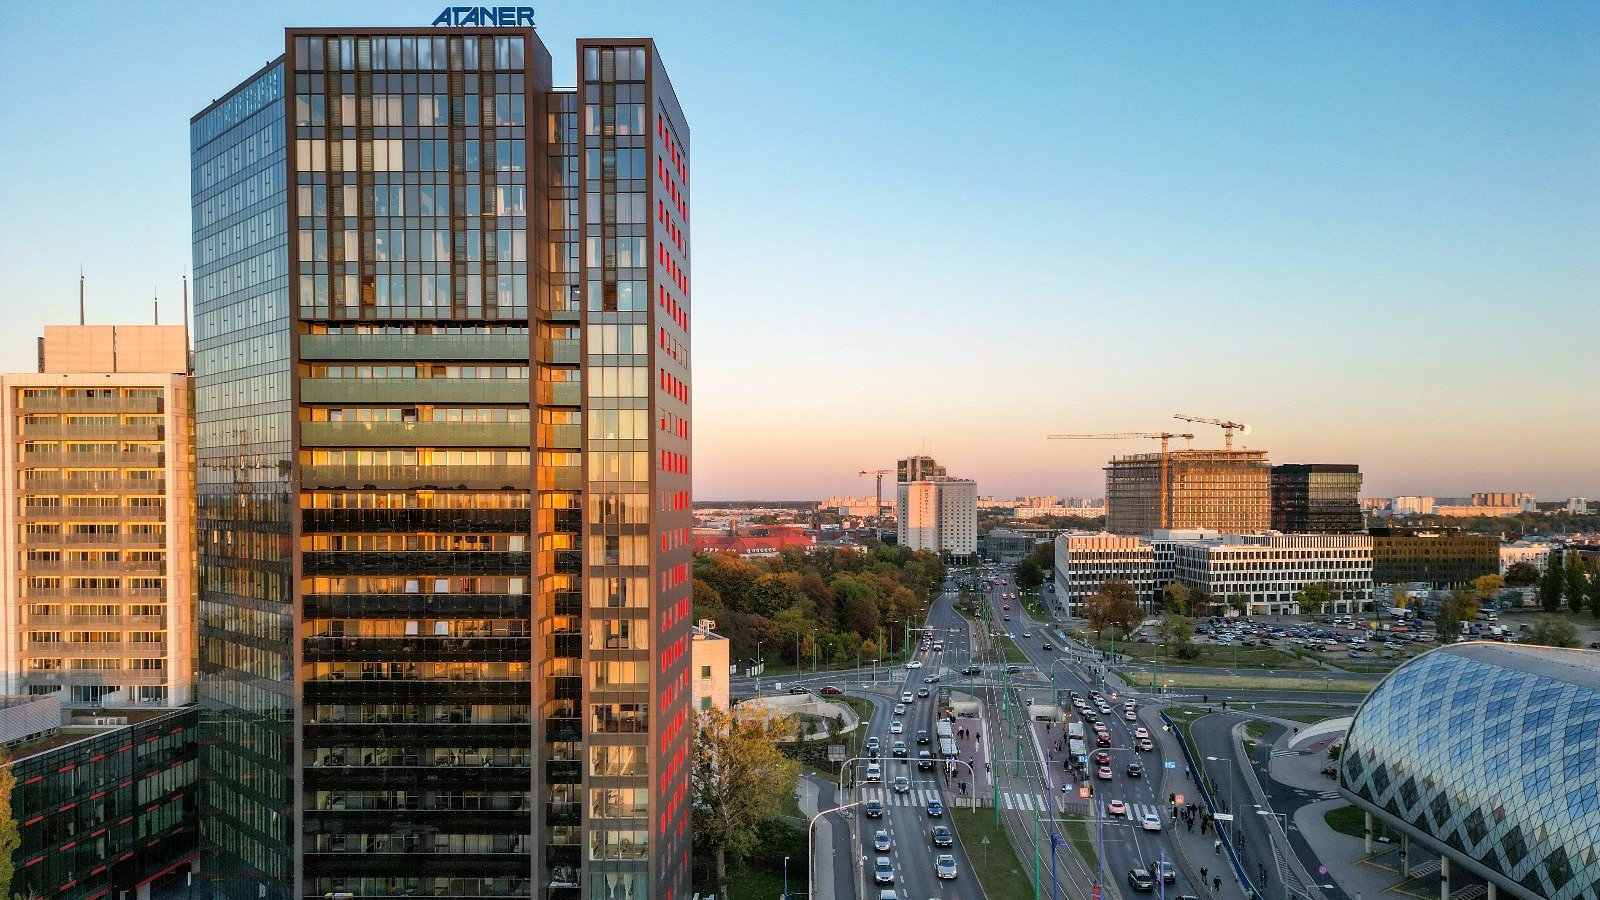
x: 1352, y: 821
x: 1198, y: 680
x: 1009, y: 649
x: 1078, y: 833
x: 998, y: 868
x: 1310, y: 718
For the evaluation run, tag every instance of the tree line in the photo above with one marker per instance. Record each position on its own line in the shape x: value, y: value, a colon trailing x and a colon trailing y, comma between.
x: 842, y: 602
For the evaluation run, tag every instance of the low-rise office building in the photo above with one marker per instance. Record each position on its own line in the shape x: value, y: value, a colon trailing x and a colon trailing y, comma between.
x: 1535, y: 553
x: 105, y: 805
x: 1487, y: 754
x: 1084, y: 562
x: 709, y: 657
x: 1441, y: 557
x: 1269, y: 569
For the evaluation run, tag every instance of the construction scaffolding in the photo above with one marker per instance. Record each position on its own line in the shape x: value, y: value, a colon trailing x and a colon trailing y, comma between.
x: 1229, y: 491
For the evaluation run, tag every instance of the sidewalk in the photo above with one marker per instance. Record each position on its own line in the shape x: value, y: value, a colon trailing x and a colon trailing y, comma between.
x: 811, y: 804
x: 1194, y: 850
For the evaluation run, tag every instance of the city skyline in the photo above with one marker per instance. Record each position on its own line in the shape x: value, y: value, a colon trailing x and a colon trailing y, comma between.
x: 1369, y: 237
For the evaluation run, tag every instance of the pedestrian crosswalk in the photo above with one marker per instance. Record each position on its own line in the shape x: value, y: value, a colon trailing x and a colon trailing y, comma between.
x: 890, y: 797
x: 1278, y: 753
x: 1329, y: 795
x: 1136, y: 811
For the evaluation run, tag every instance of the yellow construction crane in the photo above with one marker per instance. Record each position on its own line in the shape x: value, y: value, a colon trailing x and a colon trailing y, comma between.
x: 1162, y: 436
x: 877, y: 520
x: 1228, y: 428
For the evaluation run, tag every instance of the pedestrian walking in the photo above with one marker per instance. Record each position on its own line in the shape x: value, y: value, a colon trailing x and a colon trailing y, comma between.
x: 1216, y: 883
x: 1190, y: 820
x: 1204, y: 873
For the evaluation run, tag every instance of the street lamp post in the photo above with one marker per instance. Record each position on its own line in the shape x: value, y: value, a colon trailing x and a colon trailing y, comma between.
x: 1282, y: 858
x: 786, y: 878
x: 811, y: 873
x: 1229, y: 808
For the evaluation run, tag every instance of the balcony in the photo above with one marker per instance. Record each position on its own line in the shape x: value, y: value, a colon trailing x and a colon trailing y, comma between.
x: 441, y: 649
x: 107, y: 459
x: 510, y: 478
x: 110, y: 484
x: 418, y: 562
x: 92, y: 567
x: 92, y: 405
x: 416, y: 434
x: 510, y: 348
x: 439, y: 391
x: 564, y: 393
x: 99, y: 622
x: 94, y: 432
x: 420, y: 606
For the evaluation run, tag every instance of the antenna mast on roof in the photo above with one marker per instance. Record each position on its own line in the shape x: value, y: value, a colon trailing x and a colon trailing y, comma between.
x: 80, y: 295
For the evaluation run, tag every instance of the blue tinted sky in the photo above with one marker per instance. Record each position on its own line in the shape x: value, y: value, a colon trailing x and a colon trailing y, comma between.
x: 1370, y: 230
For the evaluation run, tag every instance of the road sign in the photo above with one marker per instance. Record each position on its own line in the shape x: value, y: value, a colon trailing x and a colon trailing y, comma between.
x: 1178, y: 800
x: 1169, y: 764
x: 1223, y: 817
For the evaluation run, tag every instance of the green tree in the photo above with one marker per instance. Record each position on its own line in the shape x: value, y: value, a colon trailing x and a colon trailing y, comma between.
x: 706, y: 601
x: 1574, y: 581
x: 1460, y: 606
x: 1551, y: 583
x: 1552, y: 631
x: 1313, y: 598
x: 1044, y: 556
x: 1522, y: 574
x: 1029, y: 575
x: 1177, y: 637
x: 1202, y: 602
x: 739, y: 779
x: 1594, y: 591
x: 1239, y: 603
x: 1175, y: 599
x: 1115, y: 604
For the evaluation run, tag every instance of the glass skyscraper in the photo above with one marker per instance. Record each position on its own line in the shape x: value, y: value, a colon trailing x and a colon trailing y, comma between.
x: 442, y: 407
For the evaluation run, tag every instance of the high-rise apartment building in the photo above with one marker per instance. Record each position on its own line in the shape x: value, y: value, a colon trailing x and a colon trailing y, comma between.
x: 1318, y: 498
x: 98, y: 519
x: 443, y: 397
x: 937, y: 513
x: 1221, y: 490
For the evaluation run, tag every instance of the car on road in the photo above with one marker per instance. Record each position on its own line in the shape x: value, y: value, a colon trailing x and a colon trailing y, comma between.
x: 1117, y: 808
x: 935, y: 809
x: 1049, y: 646
x: 1141, y: 732
x: 1145, y: 745
x: 1012, y: 670
x: 902, y: 784
x: 922, y: 736
x: 1150, y: 822
x: 872, y: 744
x: 874, y: 809
x: 1103, y: 773
x: 1006, y: 607
x: 922, y: 692
x: 914, y: 664
x: 1163, y: 870
x: 905, y: 696
x: 888, y: 895
x: 1089, y: 717
x: 931, y: 679
x: 1007, y: 617
x: 1140, y: 880
x: 883, y: 872
x: 899, y: 748
x: 1130, y: 715
x: 831, y: 691
x: 1135, y: 770
x: 874, y: 772
x: 1102, y: 757
x: 943, y: 836
x: 896, y: 727
x: 880, y: 841
x: 924, y: 760
x: 899, y: 709
x: 799, y: 690
x: 1102, y: 739
x: 945, y: 866
x: 972, y: 670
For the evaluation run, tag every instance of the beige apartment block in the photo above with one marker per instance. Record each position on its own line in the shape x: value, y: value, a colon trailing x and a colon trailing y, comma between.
x: 709, y: 654
x: 98, y: 519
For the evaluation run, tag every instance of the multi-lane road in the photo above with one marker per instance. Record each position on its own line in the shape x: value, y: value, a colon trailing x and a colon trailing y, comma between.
x: 1124, y: 844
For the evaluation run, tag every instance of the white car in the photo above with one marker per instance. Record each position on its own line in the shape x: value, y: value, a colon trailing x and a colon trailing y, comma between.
x: 1150, y: 822
x: 905, y: 696
x: 945, y: 866
x: 896, y: 727
x: 1131, y: 716
x: 899, y: 709
x: 1141, y: 732
x: 914, y: 664
x: 1117, y: 808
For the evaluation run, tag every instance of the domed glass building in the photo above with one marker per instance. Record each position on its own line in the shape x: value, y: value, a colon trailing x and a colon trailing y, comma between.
x: 1489, y: 754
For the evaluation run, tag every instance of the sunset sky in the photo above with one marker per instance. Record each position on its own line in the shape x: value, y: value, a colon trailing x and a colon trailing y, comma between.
x: 1370, y: 230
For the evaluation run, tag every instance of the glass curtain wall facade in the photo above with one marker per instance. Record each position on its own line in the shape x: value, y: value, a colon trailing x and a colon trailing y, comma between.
x: 634, y: 169
x: 244, y: 460
x: 483, y: 628
x: 1320, y: 498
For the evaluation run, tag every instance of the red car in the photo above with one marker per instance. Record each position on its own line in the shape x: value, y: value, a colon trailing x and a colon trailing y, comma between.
x: 831, y: 691
x: 1006, y: 607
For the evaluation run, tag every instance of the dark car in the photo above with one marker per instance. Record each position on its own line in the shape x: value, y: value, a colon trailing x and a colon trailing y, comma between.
x: 874, y: 809
x: 1141, y: 880
x: 971, y: 670
x: 1049, y: 646
x: 1167, y: 873
x: 1135, y: 770
x: 942, y: 836
x: 1012, y: 670
x: 799, y: 690
x: 922, y: 735
x: 1102, y: 739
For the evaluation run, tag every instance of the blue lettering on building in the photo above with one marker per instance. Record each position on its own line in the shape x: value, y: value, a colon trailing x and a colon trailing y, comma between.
x: 485, y: 16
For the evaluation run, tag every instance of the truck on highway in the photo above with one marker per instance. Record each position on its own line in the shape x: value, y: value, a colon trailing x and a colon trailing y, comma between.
x: 1075, y: 731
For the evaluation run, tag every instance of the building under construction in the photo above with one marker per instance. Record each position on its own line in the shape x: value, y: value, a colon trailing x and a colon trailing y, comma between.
x: 1220, y: 490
